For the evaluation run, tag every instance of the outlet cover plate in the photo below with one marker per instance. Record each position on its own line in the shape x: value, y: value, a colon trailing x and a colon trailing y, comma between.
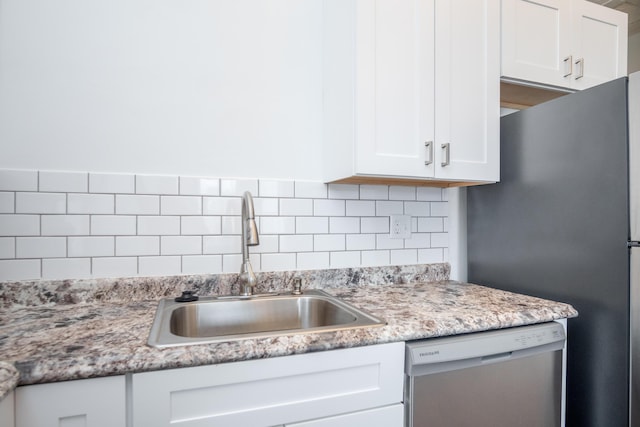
x: 400, y: 227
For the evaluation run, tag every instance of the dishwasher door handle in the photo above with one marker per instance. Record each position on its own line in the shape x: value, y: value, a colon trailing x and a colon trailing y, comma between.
x: 496, y: 357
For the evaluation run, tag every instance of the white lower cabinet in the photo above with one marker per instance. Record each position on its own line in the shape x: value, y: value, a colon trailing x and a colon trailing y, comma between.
x: 7, y: 417
x: 96, y: 402
x: 327, y: 388
x: 380, y: 417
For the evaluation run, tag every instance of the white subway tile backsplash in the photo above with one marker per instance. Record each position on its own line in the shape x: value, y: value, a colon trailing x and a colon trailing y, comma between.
x: 199, y: 186
x: 344, y: 191
x: 344, y: 225
x: 265, y: 206
x: 221, y: 245
x: 329, y: 242
x: 230, y: 225
x: 440, y: 209
x: 159, y: 266
x: 310, y: 190
x: 268, y: 244
x: 344, y: 259
x: 361, y: 208
x: 312, y: 225
x: 41, y: 203
x: 113, y: 225
x: 374, y: 225
x: 202, y: 264
x: 397, y: 192
x: 296, y: 243
x: 159, y: 225
x: 18, y: 180
x: 20, y: 269
x: 137, y: 245
x: 41, y: 247
x: 430, y: 225
x: 404, y: 256
x: 200, y: 225
x: 65, y: 225
x: 65, y: 182
x: 181, y: 245
x: 7, y: 247
x: 416, y: 208
x: 269, y: 188
x: 66, y: 268
x: 112, y: 183
x: 137, y: 205
x: 231, y: 262
x: 430, y: 194
x: 237, y: 187
x: 358, y: 242
x: 374, y: 192
x: 277, y: 225
x: 180, y: 205
x: 430, y: 256
x: 418, y: 240
x: 386, y: 208
x: 222, y: 206
x: 156, y: 184
x: 278, y: 262
x: 90, y: 204
x: 329, y: 207
x: 375, y: 258
x: 7, y: 202
x: 384, y: 241
x: 114, y: 267
x: 19, y: 225
x: 296, y: 207
x: 312, y: 260
x: 439, y: 240
x: 102, y: 246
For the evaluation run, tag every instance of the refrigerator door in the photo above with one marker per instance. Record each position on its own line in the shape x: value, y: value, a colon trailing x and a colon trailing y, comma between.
x: 634, y: 154
x: 635, y: 337
x: 557, y: 226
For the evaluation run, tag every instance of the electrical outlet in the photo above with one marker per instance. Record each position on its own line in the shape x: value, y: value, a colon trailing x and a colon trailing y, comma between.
x: 400, y: 226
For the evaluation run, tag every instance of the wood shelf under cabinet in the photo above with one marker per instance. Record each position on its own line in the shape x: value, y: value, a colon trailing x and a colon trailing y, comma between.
x: 521, y: 96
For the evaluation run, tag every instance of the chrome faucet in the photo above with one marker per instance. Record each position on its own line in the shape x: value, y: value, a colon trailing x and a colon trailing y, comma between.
x: 247, y: 278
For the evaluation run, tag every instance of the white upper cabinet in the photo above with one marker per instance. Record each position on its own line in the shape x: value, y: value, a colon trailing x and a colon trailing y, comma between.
x: 411, y: 90
x: 572, y: 44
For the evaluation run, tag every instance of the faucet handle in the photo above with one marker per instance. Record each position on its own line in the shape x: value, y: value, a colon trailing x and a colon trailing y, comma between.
x: 297, y: 286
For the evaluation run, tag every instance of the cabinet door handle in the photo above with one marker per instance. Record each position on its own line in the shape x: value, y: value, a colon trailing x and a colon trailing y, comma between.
x: 446, y: 153
x: 429, y: 146
x: 568, y: 60
x: 580, y: 63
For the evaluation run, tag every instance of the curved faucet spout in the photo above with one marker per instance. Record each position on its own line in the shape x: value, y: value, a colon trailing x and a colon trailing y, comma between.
x: 250, y: 237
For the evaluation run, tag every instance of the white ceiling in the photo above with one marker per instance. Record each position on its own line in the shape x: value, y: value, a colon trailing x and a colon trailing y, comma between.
x: 630, y: 7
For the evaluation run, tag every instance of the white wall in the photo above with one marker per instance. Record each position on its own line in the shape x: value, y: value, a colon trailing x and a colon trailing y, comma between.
x: 634, y: 53
x: 198, y: 87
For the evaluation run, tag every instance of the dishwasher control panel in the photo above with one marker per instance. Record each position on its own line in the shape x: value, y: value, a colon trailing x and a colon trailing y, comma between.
x: 483, y: 344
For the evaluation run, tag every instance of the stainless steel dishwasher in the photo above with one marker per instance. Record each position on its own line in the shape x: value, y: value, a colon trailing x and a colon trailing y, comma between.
x: 510, y: 377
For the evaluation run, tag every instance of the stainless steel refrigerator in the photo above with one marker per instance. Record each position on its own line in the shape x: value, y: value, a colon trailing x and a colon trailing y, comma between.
x: 564, y: 224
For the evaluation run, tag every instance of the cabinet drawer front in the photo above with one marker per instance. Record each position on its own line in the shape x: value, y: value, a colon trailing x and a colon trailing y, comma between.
x: 389, y: 416
x: 271, y: 391
x: 96, y: 402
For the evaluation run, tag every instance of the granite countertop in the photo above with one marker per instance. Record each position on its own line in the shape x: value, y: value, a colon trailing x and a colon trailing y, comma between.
x: 93, y: 338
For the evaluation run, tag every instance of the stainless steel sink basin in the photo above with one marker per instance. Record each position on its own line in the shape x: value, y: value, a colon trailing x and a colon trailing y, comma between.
x: 216, y: 319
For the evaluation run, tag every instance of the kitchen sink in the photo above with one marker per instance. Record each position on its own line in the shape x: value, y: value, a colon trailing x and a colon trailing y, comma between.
x: 227, y: 318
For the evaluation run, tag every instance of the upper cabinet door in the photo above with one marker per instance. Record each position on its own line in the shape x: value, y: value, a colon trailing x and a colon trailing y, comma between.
x: 535, y: 40
x: 573, y: 44
x: 394, y: 87
x: 467, y: 117
x: 599, y: 44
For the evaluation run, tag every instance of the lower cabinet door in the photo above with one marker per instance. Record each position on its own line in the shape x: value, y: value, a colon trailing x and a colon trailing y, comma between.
x: 7, y: 417
x: 271, y: 392
x: 389, y: 416
x: 96, y: 402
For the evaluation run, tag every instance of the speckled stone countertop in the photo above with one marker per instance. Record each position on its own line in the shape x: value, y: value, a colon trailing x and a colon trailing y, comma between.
x: 74, y: 338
